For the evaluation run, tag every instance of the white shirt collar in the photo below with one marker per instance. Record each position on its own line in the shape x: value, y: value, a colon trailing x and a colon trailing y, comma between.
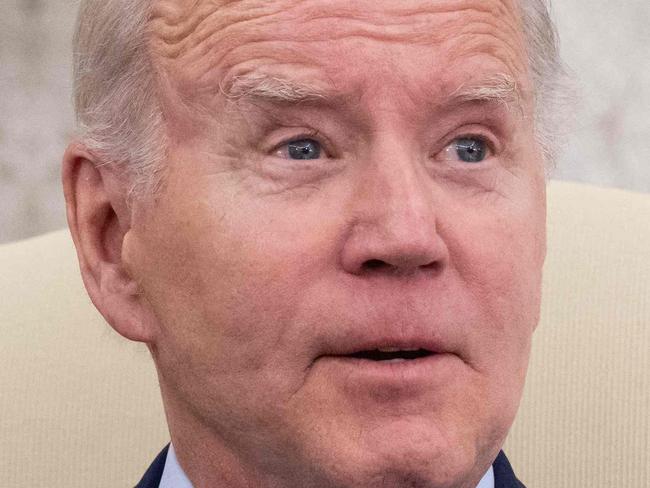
x: 488, y: 480
x: 174, y: 477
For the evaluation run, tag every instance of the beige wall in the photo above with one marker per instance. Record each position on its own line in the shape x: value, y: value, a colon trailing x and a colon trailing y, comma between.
x: 35, y: 113
x: 606, y: 43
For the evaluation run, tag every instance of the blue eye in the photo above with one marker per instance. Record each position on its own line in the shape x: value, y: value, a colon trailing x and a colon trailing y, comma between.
x: 470, y: 149
x: 303, y: 149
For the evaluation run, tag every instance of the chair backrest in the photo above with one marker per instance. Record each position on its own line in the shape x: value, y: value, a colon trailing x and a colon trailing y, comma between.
x: 80, y: 406
x: 584, y: 419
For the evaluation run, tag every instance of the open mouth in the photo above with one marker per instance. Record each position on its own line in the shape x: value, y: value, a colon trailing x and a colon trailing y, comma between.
x: 391, y: 355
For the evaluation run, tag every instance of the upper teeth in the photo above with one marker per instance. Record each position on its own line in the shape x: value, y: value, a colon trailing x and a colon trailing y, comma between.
x: 395, y: 349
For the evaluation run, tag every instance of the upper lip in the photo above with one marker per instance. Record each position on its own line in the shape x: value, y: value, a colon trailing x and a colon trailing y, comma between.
x: 413, y: 343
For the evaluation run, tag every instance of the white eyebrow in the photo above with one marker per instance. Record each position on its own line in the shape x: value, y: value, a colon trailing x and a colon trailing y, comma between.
x: 270, y: 88
x: 500, y: 88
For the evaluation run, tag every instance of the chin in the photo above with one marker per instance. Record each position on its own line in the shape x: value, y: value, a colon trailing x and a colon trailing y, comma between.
x: 408, y: 461
x: 436, y: 473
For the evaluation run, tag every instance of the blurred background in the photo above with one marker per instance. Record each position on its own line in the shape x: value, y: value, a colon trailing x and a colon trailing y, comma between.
x: 606, y: 44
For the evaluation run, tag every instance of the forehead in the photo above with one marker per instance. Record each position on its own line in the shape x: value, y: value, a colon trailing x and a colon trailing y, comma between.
x: 203, y: 45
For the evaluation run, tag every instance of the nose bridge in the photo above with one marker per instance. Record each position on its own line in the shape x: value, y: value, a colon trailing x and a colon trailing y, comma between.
x: 398, y: 196
x: 395, y: 214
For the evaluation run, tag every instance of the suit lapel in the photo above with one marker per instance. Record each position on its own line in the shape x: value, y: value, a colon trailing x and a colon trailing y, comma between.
x: 504, y: 477
x: 151, y: 478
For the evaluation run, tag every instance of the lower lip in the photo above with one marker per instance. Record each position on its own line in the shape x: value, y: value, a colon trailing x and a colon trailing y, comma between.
x: 398, y: 372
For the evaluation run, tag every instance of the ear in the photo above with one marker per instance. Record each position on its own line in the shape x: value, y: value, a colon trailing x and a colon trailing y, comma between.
x: 100, y: 222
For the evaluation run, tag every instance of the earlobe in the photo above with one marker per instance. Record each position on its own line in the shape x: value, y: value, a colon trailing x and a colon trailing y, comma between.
x: 100, y: 222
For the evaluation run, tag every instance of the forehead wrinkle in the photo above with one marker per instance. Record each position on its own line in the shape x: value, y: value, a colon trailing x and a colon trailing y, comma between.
x: 398, y: 12
x: 423, y: 22
x: 172, y: 24
x: 187, y: 30
x: 508, y: 43
x: 197, y: 31
x: 212, y: 42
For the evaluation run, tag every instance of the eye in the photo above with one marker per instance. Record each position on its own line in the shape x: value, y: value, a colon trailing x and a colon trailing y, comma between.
x: 300, y: 149
x: 468, y: 149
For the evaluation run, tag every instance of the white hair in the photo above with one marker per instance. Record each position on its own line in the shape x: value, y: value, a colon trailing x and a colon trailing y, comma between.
x: 553, y: 89
x: 116, y: 92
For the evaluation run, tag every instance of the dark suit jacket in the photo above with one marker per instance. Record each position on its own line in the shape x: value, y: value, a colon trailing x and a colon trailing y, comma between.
x: 503, y: 475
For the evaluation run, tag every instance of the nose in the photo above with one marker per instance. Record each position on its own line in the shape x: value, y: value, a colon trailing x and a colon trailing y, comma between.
x: 393, y: 224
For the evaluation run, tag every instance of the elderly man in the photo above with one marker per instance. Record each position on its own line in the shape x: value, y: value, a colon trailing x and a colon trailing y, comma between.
x: 326, y: 221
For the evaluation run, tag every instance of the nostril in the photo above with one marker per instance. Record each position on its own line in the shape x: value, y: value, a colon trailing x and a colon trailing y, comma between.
x: 374, y: 264
x: 433, y: 265
x: 378, y: 264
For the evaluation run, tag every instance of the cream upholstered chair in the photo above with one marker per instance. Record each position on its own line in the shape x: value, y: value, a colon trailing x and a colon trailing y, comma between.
x: 80, y: 404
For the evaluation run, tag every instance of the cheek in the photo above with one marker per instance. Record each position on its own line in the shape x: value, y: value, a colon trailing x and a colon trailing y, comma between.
x: 227, y: 283
x: 224, y: 302
x: 498, y: 255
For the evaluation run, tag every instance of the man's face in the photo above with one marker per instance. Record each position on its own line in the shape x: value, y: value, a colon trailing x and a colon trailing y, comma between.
x: 398, y: 206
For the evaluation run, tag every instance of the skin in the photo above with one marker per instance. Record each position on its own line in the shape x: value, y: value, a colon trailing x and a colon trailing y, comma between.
x: 248, y: 274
